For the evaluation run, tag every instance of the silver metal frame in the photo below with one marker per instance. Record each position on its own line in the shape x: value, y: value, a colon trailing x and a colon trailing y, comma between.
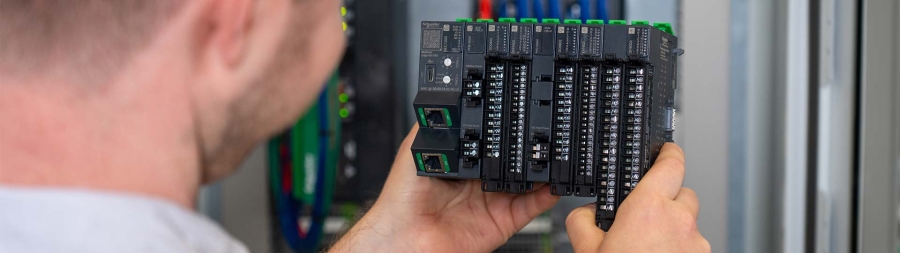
x: 794, y: 120
x: 879, y: 143
x: 837, y: 89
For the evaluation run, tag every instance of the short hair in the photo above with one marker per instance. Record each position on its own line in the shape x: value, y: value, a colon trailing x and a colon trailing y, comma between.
x: 84, y: 41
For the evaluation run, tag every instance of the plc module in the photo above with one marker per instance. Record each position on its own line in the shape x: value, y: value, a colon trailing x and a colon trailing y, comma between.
x: 582, y: 107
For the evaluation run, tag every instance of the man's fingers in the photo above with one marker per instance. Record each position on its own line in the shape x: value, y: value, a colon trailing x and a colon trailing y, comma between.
x: 404, y: 166
x: 689, y: 198
x: 528, y: 206
x: 583, y: 232
x: 666, y: 175
x: 404, y: 156
x: 671, y: 150
x: 410, y: 137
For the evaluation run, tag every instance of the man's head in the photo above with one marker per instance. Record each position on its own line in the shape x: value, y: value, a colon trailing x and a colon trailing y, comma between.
x: 209, y: 78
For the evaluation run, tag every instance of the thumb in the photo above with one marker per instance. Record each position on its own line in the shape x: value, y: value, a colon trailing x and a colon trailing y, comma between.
x: 584, y: 234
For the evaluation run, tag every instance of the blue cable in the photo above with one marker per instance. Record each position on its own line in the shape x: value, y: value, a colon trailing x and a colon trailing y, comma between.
x: 553, y: 6
x: 501, y: 9
x: 522, y: 9
x: 290, y: 208
x: 602, y: 13
x: 319, y: 209
x: 585, y: 10
x: 538, y: 8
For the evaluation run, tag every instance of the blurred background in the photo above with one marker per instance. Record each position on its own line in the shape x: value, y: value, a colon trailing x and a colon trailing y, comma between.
x: 788, y: 112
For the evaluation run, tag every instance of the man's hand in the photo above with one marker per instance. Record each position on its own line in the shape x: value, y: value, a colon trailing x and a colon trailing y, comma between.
x: 658, y: 216
x: 426, y: 214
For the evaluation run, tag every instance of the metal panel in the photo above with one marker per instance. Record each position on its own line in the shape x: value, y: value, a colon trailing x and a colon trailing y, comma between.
x: 244, y: 204
x: 879, y: 148
x: 209, y: 200
x: 702, y: 117
x: 755, y: 70
x: 795, y: 122
x: 837, y: 89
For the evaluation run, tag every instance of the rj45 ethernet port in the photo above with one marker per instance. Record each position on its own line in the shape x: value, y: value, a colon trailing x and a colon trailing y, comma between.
x: 434, y: 163
x: 435, y: 117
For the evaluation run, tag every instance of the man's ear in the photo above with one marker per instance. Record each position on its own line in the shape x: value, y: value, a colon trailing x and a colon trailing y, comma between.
x: 231, y: 21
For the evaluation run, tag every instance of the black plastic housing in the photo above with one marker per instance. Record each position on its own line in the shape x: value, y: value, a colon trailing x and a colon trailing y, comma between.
x: 582, y: 107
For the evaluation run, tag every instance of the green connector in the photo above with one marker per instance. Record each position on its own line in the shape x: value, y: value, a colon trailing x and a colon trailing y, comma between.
x: 573, y: 21
x: 446, y: 164
x: 447, y: 117
x: 463, y: 20
x: 617, y: 22
x: 529, y: 20
x: 595, y: 21
x: 485, y: 20
x: 640, y: 22
x: 422, y: 117
x: 665, y: 27
x: 419, y: 159
x: 550, y: 21
x: 508, y: 20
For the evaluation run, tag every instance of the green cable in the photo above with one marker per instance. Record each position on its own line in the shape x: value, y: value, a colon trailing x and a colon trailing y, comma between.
x: 334, y: 147
x: 304, y: 144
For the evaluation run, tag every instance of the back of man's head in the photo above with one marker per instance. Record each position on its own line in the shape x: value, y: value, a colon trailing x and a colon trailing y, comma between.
x: 83, y: 41
x: 153, y: 96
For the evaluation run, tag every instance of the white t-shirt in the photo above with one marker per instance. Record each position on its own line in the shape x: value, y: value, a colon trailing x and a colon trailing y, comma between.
x: 67, y: 220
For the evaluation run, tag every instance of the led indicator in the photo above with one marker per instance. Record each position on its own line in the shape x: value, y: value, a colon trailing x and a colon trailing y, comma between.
x: 344, y: 112
x: 343, y: 11
x: 344, y: 98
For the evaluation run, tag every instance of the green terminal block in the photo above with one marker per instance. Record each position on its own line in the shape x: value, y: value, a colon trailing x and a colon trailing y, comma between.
x: 463, y: 20
x: 529, y: 20
x: 573, y: 21
x: 595, y: 21
x: 508, y: 20
x: 640, y: 22
x: 550, y: 21
x: 665, y: 27
x: 485, y: 20
x: 618, y: 22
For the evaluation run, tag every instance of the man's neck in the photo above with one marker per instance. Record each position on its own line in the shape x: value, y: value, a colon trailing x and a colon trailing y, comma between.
x: 54, y: 137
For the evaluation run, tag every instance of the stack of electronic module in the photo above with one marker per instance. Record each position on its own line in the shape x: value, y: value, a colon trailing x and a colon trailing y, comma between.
x: 583, y: 107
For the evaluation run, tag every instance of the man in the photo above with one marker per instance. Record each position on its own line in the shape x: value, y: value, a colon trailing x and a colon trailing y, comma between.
x: 113, y: 113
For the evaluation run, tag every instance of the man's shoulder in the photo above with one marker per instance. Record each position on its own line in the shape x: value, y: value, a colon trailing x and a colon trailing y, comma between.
x: 71, y: 220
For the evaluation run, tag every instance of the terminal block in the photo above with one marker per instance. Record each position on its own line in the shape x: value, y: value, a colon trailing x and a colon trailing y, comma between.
x: 584, y: 108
